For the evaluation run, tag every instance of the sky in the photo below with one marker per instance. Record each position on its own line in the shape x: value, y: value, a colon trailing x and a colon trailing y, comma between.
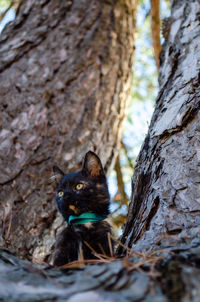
x: 10, y: 16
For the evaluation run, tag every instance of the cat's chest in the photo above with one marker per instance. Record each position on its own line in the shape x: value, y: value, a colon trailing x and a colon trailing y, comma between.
x: 90, y: 230
x: 84, y: 230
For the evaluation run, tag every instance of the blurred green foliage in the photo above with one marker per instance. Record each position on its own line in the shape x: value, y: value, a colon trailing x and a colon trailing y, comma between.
x: 4, y: 4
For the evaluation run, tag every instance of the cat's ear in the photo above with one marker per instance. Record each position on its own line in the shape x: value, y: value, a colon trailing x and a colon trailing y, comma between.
x: 92, y: 165
x: 57, y: 174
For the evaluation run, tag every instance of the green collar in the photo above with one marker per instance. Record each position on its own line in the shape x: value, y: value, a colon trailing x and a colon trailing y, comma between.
x: 84, y: 218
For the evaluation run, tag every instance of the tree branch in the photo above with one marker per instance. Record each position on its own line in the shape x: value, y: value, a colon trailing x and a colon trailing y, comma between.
x: 127, y: 156
x: 155, y: 27
x: 120, y: 182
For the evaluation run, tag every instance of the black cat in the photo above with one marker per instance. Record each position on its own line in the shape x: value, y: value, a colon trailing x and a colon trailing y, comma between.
x: 83, y: 200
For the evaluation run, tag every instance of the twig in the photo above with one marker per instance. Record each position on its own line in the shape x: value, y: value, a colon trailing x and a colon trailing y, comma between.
x: 81, y: 257
x: 141, y: 263
x: 117, y: 209
x: 155, y: 28
x: 110, y: 244
x: 9, y: 226
x: 127, y: 156
x: 93, y: 251
x: 101, y: 248
x: 131, y: 252
x: 77, y: 264
x: 120, y: 182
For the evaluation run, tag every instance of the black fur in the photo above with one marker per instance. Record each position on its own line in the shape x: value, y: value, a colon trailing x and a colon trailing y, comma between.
x: 93, y: 198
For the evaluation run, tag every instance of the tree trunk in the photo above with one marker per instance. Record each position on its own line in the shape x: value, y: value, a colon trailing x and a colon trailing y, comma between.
x: 65, y: 73
x: 165, y: 204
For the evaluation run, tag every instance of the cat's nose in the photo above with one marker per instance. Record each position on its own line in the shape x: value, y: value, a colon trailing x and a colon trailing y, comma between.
x: 68, y: 196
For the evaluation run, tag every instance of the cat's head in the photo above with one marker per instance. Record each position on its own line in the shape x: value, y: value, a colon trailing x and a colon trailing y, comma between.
x: 82, y: 191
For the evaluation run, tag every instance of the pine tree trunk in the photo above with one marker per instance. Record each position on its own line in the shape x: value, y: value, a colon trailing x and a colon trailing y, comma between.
x: 65, y: 73
x: 165, y: 204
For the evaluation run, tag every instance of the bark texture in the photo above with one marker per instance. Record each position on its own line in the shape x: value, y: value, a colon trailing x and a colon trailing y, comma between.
x: 65, y: 73
x: 174, y: 279
x: 165, y: 204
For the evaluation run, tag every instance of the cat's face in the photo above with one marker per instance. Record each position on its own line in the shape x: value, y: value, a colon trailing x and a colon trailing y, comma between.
x: 83, y: 191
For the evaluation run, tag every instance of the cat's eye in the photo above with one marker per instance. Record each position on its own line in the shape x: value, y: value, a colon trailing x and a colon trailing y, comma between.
x: 79, y: 186
x: 60, y: 194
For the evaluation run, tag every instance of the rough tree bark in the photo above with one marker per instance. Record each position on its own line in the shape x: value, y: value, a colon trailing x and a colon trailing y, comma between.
x: 65, y: 73
x: 165, y: 204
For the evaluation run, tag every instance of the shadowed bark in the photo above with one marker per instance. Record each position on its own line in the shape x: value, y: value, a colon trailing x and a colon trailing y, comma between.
x: 65, y: 73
